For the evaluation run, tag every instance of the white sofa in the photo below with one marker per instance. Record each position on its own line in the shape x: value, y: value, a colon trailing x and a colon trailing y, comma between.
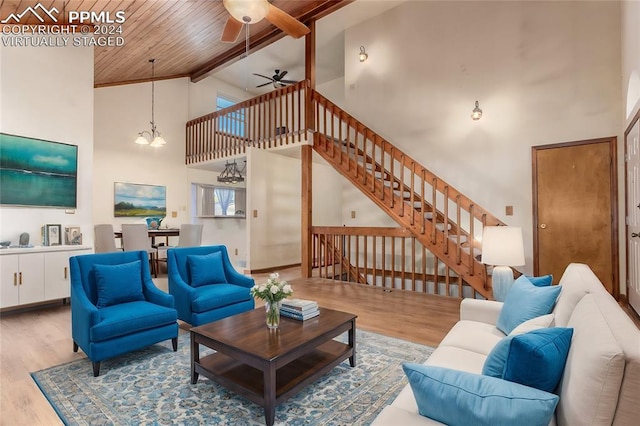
x: 601, y: 381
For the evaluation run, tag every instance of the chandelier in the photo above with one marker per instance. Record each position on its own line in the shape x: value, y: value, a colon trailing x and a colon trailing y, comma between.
x: 153, y: 137
x: 231, y: 173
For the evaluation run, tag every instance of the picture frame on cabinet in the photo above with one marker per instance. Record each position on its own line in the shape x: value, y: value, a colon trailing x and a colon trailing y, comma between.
x: 72, y: 236
x: 52, y: 235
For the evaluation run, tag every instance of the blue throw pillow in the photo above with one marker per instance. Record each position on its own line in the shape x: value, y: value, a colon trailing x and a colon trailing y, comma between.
x: 457, y: 398
x: 525, y: 301
x: 537, y: 358
x: 543, y: 281
x: 206, y: 269
x: 118, y: 283
x: 494, y: 364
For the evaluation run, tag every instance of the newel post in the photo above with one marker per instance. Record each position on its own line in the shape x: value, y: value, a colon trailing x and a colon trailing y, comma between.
x: 307, y: 152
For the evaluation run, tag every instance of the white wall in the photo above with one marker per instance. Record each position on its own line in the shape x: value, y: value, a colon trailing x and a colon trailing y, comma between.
x: 202, y: 95
x: 274, y: 192
x: 630, y: 58
x: 120, y: 113
x: 47, y: 93
x: 544, y: 72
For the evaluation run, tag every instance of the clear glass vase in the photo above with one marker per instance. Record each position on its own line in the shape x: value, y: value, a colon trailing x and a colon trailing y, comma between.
x: 273, y: 314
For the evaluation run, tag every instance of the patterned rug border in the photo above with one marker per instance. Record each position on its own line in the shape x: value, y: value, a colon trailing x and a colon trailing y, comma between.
x: 361, y: 393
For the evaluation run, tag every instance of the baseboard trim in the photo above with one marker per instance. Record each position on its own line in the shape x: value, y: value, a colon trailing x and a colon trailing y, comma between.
x: 271, y: 269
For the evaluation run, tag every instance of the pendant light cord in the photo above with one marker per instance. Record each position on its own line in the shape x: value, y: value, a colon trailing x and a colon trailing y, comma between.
x: 153, y: 93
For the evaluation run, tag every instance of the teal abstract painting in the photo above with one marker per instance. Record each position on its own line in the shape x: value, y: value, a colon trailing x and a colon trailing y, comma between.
x: 35, y: 172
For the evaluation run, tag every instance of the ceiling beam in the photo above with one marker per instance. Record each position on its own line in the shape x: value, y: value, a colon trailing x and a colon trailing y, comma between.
x: 313, y: 10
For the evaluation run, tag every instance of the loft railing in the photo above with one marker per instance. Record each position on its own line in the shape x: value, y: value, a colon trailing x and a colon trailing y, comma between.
x: 441, y: 217
x: 391, y: 258
x: 268, y: 121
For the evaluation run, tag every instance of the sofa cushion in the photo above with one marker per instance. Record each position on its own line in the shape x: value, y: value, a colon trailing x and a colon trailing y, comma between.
x: 543, y: 281
x: 543, y: 321
x: 594, y: 369
x: 458, y: 398
x: 525, y: 301
x: 210, y: 297
x: 206, y: 269
x: 118, y: 283
x: 537, y: 358
x: 473, y: 336
x: 128, y: 318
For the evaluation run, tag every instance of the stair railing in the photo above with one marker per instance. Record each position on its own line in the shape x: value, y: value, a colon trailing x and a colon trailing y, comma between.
x: 448, y: 222
x: 391, y: 258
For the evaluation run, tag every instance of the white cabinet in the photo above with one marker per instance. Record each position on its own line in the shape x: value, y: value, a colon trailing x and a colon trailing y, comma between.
x: 36, y: 274
x: 22, y: 279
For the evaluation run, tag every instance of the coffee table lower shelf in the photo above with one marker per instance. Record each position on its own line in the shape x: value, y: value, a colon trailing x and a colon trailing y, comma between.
x: 248, y: 381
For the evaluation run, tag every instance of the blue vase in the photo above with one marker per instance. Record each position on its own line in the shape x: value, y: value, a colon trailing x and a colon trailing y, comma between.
x: 154, y: 222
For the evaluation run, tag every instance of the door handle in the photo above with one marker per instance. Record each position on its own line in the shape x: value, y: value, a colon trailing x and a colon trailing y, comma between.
x: 15, y: 278
x: 20, y: 275
x: 634, y: 234
x: 543, y: 226
x: 65, y: 273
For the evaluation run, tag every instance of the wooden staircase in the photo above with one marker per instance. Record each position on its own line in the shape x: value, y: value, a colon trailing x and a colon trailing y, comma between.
x: 438, y: 215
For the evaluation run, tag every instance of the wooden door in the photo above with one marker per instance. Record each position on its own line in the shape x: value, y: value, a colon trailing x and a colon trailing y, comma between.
x: 632, y: 166
x: 574, y: 209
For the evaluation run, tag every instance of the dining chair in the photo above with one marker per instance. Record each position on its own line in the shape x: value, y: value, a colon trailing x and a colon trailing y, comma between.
x: 190, y: 236
x: 135, y: 236
x: 104, y: 240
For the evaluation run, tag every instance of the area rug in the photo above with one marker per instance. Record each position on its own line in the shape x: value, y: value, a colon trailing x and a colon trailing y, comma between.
x: 152, y: 386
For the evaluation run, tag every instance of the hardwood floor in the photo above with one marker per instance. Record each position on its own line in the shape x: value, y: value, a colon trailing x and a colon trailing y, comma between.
x: 40, y: 338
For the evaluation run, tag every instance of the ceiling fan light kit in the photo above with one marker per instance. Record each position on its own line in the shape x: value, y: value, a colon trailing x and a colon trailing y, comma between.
x: 247, y: 11
x: 253, y: 11
x: 277, y: 80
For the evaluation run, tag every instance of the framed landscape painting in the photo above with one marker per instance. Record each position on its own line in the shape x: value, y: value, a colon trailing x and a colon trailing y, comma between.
x: 38, y: 173
x: 138, y: 200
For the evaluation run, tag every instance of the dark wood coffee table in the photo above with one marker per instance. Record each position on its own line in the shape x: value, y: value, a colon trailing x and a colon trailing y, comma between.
x: 269, y: 366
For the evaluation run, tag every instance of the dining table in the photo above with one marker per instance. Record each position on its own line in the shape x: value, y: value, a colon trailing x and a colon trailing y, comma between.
x: 158, y: 232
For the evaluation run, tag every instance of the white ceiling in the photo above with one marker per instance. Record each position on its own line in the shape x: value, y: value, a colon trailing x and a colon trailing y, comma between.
x: 288, y: 53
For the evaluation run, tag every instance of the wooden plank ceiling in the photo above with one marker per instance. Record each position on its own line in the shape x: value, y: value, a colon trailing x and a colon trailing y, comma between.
x: 182, y: 35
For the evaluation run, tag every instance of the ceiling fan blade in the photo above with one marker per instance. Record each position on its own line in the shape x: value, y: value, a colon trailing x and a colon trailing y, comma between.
x: 286, y: 22
x: 263, y: 76
x: 265, y: 84
x: 282, y: 74
x: 288, y: 81
x: 231, y: 30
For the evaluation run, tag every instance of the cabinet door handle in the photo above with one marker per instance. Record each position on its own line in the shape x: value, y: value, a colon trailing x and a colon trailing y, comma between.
x: 20, y: 278
x: 65, y: 272
x: 15, y: 278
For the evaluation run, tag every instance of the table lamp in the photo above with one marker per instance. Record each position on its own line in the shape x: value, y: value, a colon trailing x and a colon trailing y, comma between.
x: 502, y: 247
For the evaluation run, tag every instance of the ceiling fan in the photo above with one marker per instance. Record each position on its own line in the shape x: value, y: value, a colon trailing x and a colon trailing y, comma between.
x: 253, y: 11
x: 276, y: 80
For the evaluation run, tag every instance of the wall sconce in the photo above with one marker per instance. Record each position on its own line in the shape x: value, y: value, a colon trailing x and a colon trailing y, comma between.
x: 363, y: 54
x: 476, y: 113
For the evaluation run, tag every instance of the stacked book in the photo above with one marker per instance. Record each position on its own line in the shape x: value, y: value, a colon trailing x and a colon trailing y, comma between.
x: 299, y: 309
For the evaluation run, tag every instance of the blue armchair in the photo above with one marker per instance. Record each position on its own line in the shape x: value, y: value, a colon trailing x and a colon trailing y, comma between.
x: 115, y: 306
x: 205, y: 285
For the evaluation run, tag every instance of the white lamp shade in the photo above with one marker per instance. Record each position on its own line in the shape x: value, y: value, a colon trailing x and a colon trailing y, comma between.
x: 247, y: 11
x: 141, y: 140
x: 502, y: 246
x: 158, y: 141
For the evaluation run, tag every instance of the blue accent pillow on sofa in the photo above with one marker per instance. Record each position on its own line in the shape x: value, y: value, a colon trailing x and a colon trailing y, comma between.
x: 525, y: 301
x: 537, y: 358
x: 458, y: 398
x: 119, y: 283
x: 543, y: 281
x: 206, y: 269
x: 494, y: 364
